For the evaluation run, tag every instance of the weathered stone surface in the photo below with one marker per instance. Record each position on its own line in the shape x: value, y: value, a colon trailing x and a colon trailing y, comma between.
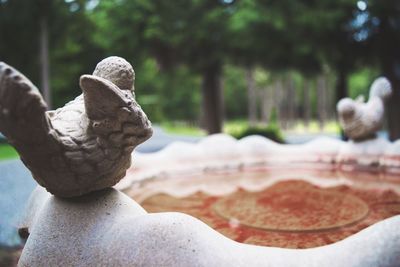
x: 361, y: 120
x: 107, y: 228
x: 75, y: 133
x: 221, y: 152
x: 360, y: 155
x: 117, y: 70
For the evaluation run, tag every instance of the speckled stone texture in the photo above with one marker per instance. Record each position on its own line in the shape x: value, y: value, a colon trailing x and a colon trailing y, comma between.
x: 117, y: 70
x: 107, y: 228
x: 87, y: 144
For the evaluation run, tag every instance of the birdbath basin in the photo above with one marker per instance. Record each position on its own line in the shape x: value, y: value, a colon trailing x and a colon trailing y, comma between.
x: 279, y: 208
x: 223, y: 202
x: 258, y: 192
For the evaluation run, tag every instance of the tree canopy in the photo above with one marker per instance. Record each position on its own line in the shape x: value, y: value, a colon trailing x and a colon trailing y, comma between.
x: 186, y: 52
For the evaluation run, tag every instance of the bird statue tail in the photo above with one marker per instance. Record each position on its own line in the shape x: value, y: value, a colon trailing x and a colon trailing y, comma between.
x: 381, y: 88
x: 23, y: 119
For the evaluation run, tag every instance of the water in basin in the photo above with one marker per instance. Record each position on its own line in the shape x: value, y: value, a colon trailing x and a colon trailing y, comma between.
x: 280, y: 208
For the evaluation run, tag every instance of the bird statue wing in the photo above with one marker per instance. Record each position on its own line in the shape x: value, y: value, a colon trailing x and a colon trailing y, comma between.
x: 102, y: 97
x: 114, y: 113
x: 23, y: 118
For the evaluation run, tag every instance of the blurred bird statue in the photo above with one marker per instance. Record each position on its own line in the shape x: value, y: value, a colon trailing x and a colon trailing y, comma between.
x: 87, y: 144
x: 360, y: 120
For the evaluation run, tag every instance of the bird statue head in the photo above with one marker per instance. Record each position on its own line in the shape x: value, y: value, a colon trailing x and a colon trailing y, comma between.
x: 118, y: 71
x: 347, y: 108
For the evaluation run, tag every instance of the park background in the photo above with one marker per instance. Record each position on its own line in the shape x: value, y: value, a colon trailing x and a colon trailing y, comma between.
x: 270, y: 67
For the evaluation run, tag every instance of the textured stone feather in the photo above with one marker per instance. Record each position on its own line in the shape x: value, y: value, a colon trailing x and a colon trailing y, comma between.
x: 82, y: 147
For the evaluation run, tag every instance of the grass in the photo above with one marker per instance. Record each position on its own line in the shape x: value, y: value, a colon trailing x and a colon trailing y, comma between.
x: 7, y: 152
x: 236, y: 126
x: 182, y: 128
x: 330, y: 127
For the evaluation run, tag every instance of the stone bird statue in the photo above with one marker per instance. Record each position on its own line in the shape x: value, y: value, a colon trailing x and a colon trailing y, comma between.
x: 361, y: 121
x: 87, y: 144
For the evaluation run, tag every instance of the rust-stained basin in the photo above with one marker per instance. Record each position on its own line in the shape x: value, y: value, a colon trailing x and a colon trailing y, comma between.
x: 276, y: 207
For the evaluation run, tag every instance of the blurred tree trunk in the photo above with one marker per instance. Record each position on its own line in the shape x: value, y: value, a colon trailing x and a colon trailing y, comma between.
x: 222, y: 101
x: 307, y: 102
x: 321, y: 100
x: 251, y: 96
x: 266, y: 98
x: 390, y: 60
x: 330, y: 98
x: 212, y: 98
x: 291, y: 101
x: 278, y: 90
x: 341, y: 84
x: 393, y: 111
x: 44, y: 61
x: 341, y: 91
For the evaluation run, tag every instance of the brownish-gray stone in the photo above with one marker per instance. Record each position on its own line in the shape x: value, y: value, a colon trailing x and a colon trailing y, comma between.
x: 91, y: 122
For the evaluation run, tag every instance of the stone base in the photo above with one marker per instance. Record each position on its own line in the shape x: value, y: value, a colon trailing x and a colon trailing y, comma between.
x: 107, y: 228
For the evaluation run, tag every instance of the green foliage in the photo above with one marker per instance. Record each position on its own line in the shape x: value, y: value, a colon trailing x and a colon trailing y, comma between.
x: 273, y: 118
x: 185, y: 31
x: 181, y: 95
x: 167, y: 95
x: 360, y: 82
x: 262, y: 78
x: 271, y: 132
x: 7, y: 152
x: 72, y: 50
x: 235, y: 92
x: 182, y: 128
x: 272, y: 33
x: 171, y: 45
